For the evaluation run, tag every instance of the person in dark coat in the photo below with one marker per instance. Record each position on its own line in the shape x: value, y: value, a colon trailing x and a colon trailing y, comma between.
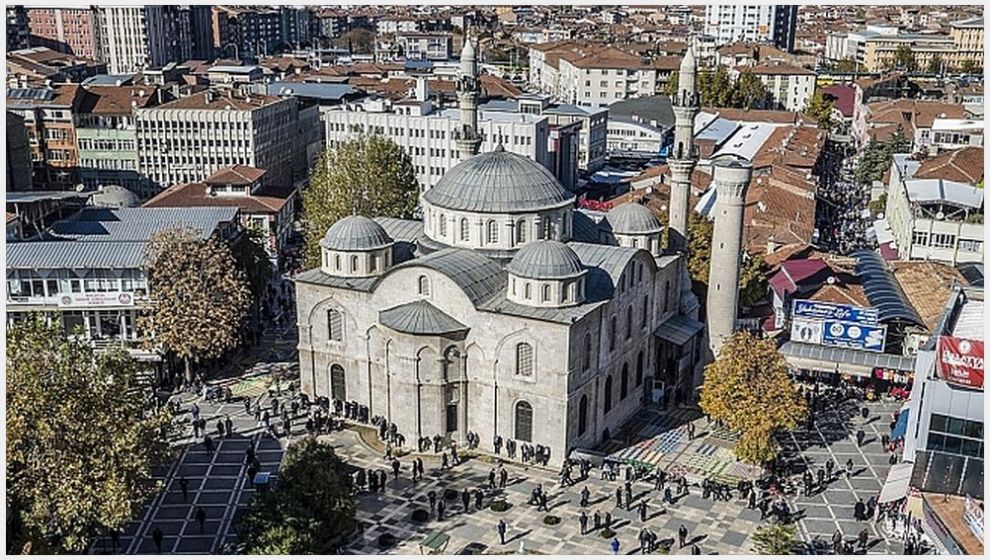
x: 396, y: 466
x: 860, y: 437
x: 864, y: 537
x: 491, y: 478
x: 432, y: 497
x: 608, y: 520
x: 829, y: 467
x: 618, y: 497
x: 543, y: 503
x: 466, y: 499
x: 598, y: 519
x: 201, y: 518
x: 583, y: 520
x: 643, y: 509
x: 184, y: 486
x: 501, y: 531
x: 479, y: 497
x: 820, y: 475
x: 628, y: 495
x: 682, y: 535
x: 441, y: 507
x: 585, y: 495
x: 859, y: 511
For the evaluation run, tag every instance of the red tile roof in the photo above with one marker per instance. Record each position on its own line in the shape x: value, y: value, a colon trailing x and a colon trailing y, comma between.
x: 964, y: 165
x: 237, y: 175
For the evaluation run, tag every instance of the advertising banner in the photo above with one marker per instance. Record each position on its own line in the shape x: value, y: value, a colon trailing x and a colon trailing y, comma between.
x: 808, y: 309
x: 854, y: 335
x: 803, y: 330
x: 96, y: 299
x: 960, y: 361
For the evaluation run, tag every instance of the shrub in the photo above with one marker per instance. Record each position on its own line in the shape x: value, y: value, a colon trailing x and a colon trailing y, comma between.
x: 500, y: 505
x: 386, y: 540
x: 450, y: 494
x: 607, y: 533
x: 420, y: 516
x: 551, y: 520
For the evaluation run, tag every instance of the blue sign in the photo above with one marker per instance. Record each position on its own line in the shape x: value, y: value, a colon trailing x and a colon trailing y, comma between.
x: 854, y: 335
x: 835, y: 312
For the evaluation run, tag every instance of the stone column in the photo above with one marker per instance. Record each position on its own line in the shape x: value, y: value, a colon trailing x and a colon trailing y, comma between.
x: 680, y: 205
x: 731, y: 179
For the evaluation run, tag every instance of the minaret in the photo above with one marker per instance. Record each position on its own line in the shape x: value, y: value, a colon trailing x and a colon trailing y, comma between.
x: 730, y: 179
x: 683, y: 155
x: 468, y: 137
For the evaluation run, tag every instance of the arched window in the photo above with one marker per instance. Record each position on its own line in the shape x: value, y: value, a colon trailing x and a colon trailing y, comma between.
x: 424, y: 286
x: 520, y: 232
x: 465, y: 229
x: 646, y: 310
x: 547, y: 228
x: 612, y: 327
x: 587, y: 352
x: 546, y: 293
x: 443, y: 225
x: 528, y: 291
x: 492, y: 231
x: 336, y: 262
x: 338, y: 383
x: 452, y: 364
x: 335, y: 326
x: 373, y: 263
x: 624, y: 382
x: 524, y: 359
x: 354, y: 263
x: 629, y: 322
x: 583, y: 415
x: 635, y: 243
x: 607, y: 405
x: 639, y: 369
x: 524, y: 421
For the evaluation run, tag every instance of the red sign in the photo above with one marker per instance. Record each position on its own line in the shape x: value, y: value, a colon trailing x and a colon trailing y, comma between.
x: 960, y: 361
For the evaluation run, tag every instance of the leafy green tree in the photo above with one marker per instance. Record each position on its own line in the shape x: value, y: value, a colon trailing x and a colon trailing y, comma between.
x: 253, y: 261
x: 934, y: 65
x: 670, y: 87
x: 846, y: 65
x: 200, y: 298
x: 748, y: 389
x: 752, y: 273
x: 904, y: 59
x: 820, y: 109
x: 82, y: 440
x: 775, y: 539
x: 311, y: 507
x: 369, y: 175
x: 970, y: 66
x: 752, y: 280
x: 716, y: 88
x: 878, y: 156
x: 749, y: 92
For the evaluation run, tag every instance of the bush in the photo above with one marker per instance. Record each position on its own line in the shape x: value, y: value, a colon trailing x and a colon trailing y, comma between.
x: 450, y: 494
x: 500, y: 505
x: 551, y: 520
x: 607, y: 534
x: 386, y: 540
x: 420, y: 516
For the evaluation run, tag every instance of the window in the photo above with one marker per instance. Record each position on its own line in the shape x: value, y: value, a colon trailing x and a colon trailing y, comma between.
x: 646, y: 311
x: 524, y: 359
x: 464, y: 229
x: 546, y: 293
x: 443, y: 226
x: 335, y: 326
x: 336, y: 262
x: 943, y: 240
x: 971, y: 245
x: 354, y: 263
x: 583, y: 415
x: 613, y: 326
x: 338, y: 383
x: 629, y: 322
x: 666, y: 296
x: 524, y: 421
x: 521, y: 232
x: 639, y: 369
x: 492, y: 231
x: 547, y: 229
x: 586, y: 365
x: 955, y: 435
x: 528, y: 291
x: 424, y: 286
x: 607, y: 404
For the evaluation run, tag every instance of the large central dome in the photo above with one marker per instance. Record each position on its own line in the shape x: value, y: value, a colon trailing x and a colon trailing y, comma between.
x: 498, y: 182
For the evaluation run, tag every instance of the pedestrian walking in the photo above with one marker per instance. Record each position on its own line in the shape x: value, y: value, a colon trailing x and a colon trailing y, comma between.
x: 859, y: 511
x: 466, y: 499
x: 849, y: 468
x: 608, y: 520
x: 157, y: 536
x: 491, y: 478
x: 893, y: 459
x: 682, y: 535
x: 201, y: 518
x: 820, y: 475
x: 543, y: 503
x: 829, y: 467
x: 628, y: 495
x: 618, y: 497
x: 440, y: 509
x: 396, y: 466
x: 583, y: 520
x: 503, y: 477
x: 184, y: 486
x: 643, y: 508
x: 228, y: 425
x: 479, y: 497
x: 864, y: 537
x: 585, y: 495
x: 598, y: 519
x: 751, y: 504
x: 668, y: 496
x: 865, y: 412
x: 860, y: 437
x: 208, y: 443
x: 501, y: 531
x: 615, y: 546
x: 444, y: 464
x: 690, y: 430
x: 432, y: 496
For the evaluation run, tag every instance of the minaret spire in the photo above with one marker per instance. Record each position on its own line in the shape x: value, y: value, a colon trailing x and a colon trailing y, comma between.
x: 468, y: 91
x: 683, y: 156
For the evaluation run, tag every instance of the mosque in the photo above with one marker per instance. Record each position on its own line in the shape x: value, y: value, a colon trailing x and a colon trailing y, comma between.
x: 506, y: 311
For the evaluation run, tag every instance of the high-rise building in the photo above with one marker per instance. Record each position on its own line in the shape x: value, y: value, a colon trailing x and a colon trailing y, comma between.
x: 17, y: 28
x: 195, y: 30
x: 136, y: 38
x: 246, y: 31
x: 48, y: 115
x: 66, y: 30
x: 730, y: 23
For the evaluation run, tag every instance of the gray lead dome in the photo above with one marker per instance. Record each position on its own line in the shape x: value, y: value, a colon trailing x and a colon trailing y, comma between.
x: 546, y: 260
x: 498, y: 182
x: 355, y: 233
x: 632, y: 218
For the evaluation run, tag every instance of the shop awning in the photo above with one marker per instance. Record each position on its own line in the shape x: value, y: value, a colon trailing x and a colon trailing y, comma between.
x: 844, y: 360
x: 900, y: 428
x: 679, y: 329
x: 896, y: 485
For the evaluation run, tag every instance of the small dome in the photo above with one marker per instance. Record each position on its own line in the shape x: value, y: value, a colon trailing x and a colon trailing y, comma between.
x: 113, y: 196
x: 633, y: 218
x: 355, y: 233
x: 546, y: 260
x: 498, y: 182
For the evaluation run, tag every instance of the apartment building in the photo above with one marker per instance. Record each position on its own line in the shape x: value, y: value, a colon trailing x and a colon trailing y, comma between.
x: 189, y: 139
x: 593, y: 135
x: 132, y: 39
x: 415, y: 45
x: 39, y: 66
x: 766, y: 23
x: 791, y: 87
x: 18, y: 154
x: 51, y: 132
x: 245, y: 31
x: 66, y: 30
x: 935, y: 208
x: 17, y: 28
x: 427, y: 133
x: 876, y: 46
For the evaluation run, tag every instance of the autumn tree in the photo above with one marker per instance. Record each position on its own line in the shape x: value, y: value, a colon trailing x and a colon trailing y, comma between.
x: 311, y: 507
x: 747, y: 388
x: 904, y: 59
x: 775, y: 539
x: 369, y: 175
x: 82, y: 439
x: 845, y: 65
x: 819, y: 109
x: 970, y: 66
x: 749, y: 92
x: 753, y: 269
x: 200, y: 298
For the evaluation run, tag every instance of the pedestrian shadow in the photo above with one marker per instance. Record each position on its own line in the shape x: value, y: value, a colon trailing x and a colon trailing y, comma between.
x: 620, y: 523
x: 518, y: 536
x: 697, y: 539
x: 599, y: 500
x: 558, y: 504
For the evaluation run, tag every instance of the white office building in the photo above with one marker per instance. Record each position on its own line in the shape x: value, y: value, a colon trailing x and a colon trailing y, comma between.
x: 764, y: 23
x: 132, y: 39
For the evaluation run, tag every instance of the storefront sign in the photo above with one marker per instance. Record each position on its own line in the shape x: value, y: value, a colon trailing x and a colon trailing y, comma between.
x: 835, y: 311
x: 854, y: 335
x: 96, y: 299
x: 807, y: 331
x: 960, y: 361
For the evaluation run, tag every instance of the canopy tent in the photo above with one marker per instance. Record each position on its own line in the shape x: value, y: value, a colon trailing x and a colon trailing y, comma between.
x: 900, y: 428
x: 897, y: 483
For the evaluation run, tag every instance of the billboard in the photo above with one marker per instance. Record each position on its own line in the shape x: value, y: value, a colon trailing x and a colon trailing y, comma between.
x: 96, y: 299
x: 807, y: 331
x: 845, y: 334
x: 822, y: 310
x: 960, y: 361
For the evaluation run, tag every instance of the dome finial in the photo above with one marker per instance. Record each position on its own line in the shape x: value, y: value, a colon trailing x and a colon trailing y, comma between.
x: 499, y: 148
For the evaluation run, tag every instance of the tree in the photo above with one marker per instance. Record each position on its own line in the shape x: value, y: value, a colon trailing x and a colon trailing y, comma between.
x: 670, y: 87
x: 846, y: 65
x: 774, y: 539
x: 310, y: 509
x: 970, y: 66
x: 752, y: 280
x: 199, y: 296
x: 715, y: 88
x: 750, y: 92
x: 752, y: 273
x: 904, y: 59
x: 878, y: 155
x: 747, y: 388
x: 252, y: 260
x: 819, y: 108
x: 934, y: 65
x: 369, y: 175
x: 81, y: 440
x: 357, y: 41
